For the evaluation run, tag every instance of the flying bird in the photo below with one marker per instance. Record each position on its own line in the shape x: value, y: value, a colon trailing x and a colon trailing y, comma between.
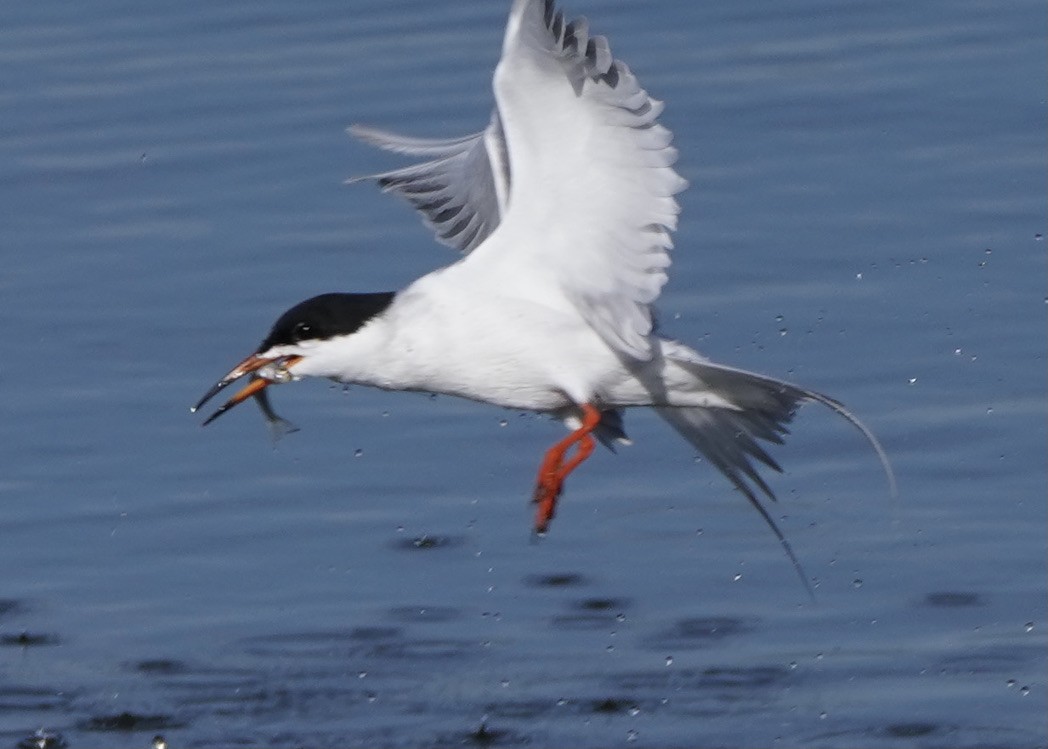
x: 562, y: 208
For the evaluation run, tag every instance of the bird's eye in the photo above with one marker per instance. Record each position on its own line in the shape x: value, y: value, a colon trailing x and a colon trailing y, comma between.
x: 301, y: 331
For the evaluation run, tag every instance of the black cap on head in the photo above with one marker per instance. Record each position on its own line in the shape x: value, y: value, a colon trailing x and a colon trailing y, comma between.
x: 326, y: 316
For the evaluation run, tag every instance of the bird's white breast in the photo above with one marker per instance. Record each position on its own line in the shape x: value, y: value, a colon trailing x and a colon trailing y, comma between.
x: 486, y: 344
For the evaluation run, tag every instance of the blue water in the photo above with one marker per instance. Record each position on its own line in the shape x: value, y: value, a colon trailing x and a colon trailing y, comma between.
x: 866, y: 218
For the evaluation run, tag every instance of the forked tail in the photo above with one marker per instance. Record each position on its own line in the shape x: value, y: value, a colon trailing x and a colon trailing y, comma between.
x: 728, y: 438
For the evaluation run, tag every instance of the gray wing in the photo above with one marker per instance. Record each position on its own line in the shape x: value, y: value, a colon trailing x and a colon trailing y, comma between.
x: 460, y: 188
x: 592, y: 211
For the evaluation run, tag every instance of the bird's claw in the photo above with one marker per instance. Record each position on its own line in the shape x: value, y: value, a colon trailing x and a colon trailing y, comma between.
x: 546, y: 494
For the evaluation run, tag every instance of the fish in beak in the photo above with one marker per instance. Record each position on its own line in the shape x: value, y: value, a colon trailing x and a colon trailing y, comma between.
x: 264, y: 371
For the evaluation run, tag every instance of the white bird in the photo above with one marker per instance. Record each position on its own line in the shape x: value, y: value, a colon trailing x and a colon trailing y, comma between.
x: 563, y: 209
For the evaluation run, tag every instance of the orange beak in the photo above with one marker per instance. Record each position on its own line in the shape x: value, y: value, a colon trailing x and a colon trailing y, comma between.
x: 256, y: 385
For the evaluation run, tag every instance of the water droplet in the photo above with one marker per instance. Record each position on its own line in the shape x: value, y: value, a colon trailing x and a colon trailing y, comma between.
x: 503, y: 422
x: 1029, y: 626
x: 504, y: 683
x: 362, y: 675
x: 792, y: 665
x: 737, y: 576
x: 669, y: 660
x: 1038, y: 237
x: 622, y: 617
x: 1010, y: 683
x: 609, y: 649
x: 819, y: 656
x: 858, y: 276
x: 634, y: 711
x: 913, y: 380
x: 357, y: 453
x: 783, y: 331
x: 372, y: 696
x: 631, y: 736
x: 562, y: 702
x: 1024, y: 691
x: 857, y: 582
x: 823, y: 716
x: 956, y: 352
x: 989, y: 410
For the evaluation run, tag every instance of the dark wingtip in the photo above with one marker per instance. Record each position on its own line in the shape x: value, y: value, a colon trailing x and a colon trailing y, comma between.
x: 755, y: 502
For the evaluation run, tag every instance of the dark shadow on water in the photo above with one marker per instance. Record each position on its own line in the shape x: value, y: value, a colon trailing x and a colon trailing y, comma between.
x: 603, y: 604
x: 910, y: 730
x: 128, y: 722
x: 613, y: 706
x: 592, y: 614
x: 426, y: 542
x: 160, y: 667
x: 29, y: 640
x: 481, y: 736
x: 556, y: 580
x: 928, y: 735
x: 953, y: 599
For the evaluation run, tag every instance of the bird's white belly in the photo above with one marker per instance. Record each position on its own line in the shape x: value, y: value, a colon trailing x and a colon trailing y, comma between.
x: 508, y: 352
x: 491, y: 359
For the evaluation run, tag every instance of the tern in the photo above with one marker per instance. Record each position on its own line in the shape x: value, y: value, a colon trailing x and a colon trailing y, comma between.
x: 563, y: 209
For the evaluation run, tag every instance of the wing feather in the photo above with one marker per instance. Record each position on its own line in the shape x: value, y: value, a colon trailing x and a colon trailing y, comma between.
x: 591, y: 207
x: 461, y: 187
x: 588, y: 215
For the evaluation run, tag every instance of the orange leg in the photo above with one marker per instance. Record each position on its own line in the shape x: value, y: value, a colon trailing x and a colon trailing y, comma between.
x: 554, y: 470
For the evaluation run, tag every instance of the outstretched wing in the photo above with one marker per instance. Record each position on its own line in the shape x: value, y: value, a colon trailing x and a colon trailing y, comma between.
x: 461, y: 187
x: 590, y: 206
x: 591, y: 203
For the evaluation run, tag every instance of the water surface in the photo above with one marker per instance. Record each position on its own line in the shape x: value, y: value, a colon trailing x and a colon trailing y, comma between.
x: 866, y: 217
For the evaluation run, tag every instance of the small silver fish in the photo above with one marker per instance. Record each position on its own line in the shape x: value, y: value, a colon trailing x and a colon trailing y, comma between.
x: 278, y: 426
x: 256, y: 388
